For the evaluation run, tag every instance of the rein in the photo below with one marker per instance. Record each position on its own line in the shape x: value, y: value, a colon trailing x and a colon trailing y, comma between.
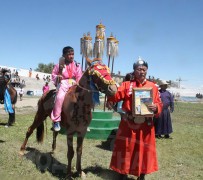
x: 88, y: 90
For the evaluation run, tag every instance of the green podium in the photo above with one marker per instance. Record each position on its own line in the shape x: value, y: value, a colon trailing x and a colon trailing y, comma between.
x: 102, y: 124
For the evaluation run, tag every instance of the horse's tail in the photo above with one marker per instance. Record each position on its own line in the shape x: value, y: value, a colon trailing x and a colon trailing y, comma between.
x: 40, y: 133
x: 40, y: 118
x: 43, y: 111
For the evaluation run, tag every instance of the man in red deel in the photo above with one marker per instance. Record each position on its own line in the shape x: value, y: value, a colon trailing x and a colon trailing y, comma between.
x: 134, y: 150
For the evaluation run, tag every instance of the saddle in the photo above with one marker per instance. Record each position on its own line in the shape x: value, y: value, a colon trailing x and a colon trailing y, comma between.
x: 49, y: 100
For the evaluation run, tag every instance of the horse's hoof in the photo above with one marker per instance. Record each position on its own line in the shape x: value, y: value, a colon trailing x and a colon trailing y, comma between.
x: 69, y: 176
x: 22, y: 152
x: 83, y: 175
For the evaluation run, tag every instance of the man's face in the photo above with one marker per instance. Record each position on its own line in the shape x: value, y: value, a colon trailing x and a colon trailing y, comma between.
x: 69, y: 56
x: 140, y: 73
x: 164, y: 86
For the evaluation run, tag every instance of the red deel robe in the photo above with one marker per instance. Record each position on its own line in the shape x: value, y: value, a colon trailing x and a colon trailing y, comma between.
x: 134, y: 149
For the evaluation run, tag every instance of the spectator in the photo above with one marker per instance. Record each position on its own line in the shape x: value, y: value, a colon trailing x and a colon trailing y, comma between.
x: 163, y: 124
x: 21, y: 93
x: 30, y: 72
x: 6, y: 96
x: 23, y: 81
x: 48, y: 78
x: 16, y: 74
x: 37, y: 76
x: 44, y: 78
x: 45, y: 87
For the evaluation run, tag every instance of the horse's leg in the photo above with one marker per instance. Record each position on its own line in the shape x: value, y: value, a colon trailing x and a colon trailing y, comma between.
x: 70, y: 154
x: 39, y: 118
x: 80, y: 139
x: 55, y: 133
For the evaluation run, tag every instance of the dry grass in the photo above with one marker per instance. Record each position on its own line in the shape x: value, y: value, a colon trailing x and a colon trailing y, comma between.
x: 179, y: 158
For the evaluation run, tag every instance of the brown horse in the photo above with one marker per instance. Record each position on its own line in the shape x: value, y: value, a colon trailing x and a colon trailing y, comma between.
x: 5, y: 84
x: 76, y: 110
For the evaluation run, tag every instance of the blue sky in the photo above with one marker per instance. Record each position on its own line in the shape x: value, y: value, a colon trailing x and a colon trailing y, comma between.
x: 168, y: 34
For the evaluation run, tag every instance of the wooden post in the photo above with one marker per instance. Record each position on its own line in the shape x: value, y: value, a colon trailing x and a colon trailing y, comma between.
x: 82, y: 61
x: 105, y: 95
x: 112, y: 67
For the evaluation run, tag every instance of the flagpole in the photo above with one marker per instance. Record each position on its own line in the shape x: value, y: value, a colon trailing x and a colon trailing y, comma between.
x: 82, y: 61
x: 112, y: 66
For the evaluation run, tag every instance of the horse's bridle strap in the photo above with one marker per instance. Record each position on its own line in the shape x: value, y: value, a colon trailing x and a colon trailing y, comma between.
x: 88, y: 90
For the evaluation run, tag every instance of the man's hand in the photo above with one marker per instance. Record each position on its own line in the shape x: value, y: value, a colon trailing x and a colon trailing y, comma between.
x: 109, y: 105
x: 153, y: 107
x: 171, y: 110
x: 59, y: 78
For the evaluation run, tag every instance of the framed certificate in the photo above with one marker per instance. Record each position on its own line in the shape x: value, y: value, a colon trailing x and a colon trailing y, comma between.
x: 142, y: 97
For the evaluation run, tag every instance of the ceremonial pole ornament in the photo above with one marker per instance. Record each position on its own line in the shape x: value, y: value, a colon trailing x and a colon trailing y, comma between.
x: 99, y: 44
x: 86, y: 47
x: 99, y: 47
x: 115, y: 53
x: 112, y: 46
x: 112, y: 49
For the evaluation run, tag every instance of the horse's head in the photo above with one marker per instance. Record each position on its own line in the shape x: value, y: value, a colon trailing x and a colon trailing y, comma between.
x: 101, y: 77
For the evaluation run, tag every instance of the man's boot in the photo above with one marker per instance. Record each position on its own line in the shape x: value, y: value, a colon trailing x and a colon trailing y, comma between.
x: 141, y: 177
x: 11, y: 119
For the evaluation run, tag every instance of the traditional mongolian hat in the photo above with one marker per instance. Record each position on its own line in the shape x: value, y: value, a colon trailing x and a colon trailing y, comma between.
x: 140, y: 62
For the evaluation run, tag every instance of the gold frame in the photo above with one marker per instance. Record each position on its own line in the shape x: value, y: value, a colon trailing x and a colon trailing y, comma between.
x: 140, y: 99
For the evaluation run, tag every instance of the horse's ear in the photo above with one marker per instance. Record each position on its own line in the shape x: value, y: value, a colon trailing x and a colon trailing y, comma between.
x: 89, y: 61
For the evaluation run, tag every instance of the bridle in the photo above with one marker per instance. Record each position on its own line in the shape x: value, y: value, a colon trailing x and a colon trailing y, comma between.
x: 91, y: 71
x: 88, y: 90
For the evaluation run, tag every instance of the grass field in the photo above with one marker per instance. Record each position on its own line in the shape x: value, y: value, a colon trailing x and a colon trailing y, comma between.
x: 180, y: 158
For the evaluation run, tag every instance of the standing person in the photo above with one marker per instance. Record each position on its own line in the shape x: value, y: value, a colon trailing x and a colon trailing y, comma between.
x: 21, y: 92
x: 64, y: 75
x: 4, y: 90
x: 44, y: 78
x: 30, y: 72
x: 163, y: 124
x: 134, y: 148
x: 37, y: 76
x: 45, y: 88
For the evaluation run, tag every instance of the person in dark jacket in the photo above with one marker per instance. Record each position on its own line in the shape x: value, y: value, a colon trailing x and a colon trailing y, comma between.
x: 163, y: 124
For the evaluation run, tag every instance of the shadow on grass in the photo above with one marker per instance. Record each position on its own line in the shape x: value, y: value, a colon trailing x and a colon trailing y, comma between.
x: 103, y: 173
x: 3, y: 124
x: 109, y: 143
x: 2, y: 141
x: 46, y: 162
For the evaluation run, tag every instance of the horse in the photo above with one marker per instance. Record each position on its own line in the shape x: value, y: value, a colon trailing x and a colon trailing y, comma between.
x: 5, y: 84
x: 76, y: 110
